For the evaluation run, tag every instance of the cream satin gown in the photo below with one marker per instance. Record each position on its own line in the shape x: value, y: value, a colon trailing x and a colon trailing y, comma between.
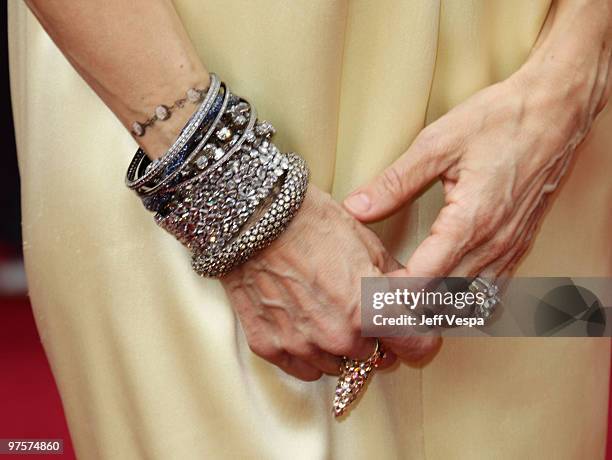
x: 150, y: 360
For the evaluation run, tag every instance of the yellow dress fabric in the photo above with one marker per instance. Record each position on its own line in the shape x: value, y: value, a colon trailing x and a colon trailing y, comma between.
x: 151, y: 361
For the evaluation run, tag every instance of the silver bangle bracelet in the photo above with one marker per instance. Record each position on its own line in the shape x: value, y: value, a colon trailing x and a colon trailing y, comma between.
x: 136, y: 183
x: 210, y: 209
x: 181, y: 170
x: 223, y: 189
x: 221, y: 156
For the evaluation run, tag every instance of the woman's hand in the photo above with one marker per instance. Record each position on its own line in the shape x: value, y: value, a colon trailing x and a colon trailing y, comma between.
x: 299, y: 300
x: 499, y: 155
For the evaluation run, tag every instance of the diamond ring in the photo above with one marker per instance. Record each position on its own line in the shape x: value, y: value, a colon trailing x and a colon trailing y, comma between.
x: 490, y: 290
x: 353, y: 376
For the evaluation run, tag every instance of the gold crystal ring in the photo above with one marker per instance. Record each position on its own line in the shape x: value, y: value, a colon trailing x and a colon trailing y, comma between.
x: 353, y: 376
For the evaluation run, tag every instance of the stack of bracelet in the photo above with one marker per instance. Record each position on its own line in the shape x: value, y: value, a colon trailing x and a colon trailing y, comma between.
x: 223, y: 188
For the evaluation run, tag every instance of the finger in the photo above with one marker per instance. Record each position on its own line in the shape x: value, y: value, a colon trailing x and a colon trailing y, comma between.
x: 380, y: 257
x: 448, y: 185
x: 424, y: 161
x: 452, y: 235
x: 389, y: 358
x: 298, y: 368
x: 315, y: 357
x: 347, y: 342
x: 391, y: 265
x: 327, y: 363
x: 413, y: 349
x: 267, y: 349
x: 362, y: 349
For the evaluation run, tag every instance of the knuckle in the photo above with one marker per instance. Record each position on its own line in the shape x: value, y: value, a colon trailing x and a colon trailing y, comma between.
x: 472, y: 226
x: 337, y: 345
x: 343, y: 344
x: 428, y: 140
x: 391, y: 181
x: 457, y: 223
x: 266, y: 350
x: 433, y: 141
x: 301, y: 348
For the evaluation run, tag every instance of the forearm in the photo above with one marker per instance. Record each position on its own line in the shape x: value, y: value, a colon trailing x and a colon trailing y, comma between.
x: 136, y: 55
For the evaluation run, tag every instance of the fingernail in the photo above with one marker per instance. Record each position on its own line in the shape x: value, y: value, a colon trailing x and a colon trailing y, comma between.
x: 358, y: 202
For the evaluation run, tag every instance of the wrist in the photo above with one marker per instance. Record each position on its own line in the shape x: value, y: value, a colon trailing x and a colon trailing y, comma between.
x: 569, y: 65
x: 158, y: 136
x: 566, y: 90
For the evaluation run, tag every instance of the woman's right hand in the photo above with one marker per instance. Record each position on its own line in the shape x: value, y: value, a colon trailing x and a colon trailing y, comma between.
x: 299, y: 299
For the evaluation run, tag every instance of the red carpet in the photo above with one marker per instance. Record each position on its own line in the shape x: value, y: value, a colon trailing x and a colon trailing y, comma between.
x: 30, y: 406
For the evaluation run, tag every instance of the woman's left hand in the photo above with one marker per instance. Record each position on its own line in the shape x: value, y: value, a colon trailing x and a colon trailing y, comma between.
x: 499, y: 155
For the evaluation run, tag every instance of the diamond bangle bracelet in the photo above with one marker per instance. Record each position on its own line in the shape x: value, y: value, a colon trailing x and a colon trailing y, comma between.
x: 223, y: 189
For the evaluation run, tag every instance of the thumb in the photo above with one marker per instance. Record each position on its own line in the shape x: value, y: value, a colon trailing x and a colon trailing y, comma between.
x: 402, y: 180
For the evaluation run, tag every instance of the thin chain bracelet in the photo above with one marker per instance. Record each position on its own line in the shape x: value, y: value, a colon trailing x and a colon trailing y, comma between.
x: 134, y: 180
x: 142, y: 172
x: 163, y: 112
